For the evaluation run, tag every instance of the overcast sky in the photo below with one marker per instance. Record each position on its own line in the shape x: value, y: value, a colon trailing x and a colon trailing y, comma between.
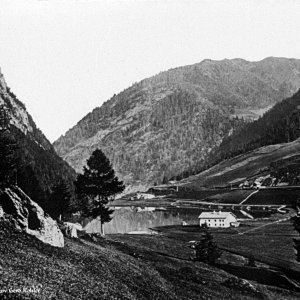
x: 63, y: 58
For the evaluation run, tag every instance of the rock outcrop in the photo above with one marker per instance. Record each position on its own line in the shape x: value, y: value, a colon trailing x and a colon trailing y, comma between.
x: 70, y: 229
x: 28, y: 216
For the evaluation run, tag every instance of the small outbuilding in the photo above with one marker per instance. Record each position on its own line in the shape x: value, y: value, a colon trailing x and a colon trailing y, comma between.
x: 217, y: 219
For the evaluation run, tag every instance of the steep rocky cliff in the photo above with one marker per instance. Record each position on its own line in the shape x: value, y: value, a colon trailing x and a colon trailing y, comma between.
x: 170, y: 122
x: 38, y: 165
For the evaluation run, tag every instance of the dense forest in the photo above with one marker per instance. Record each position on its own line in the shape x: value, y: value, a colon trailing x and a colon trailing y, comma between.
x: 281, y: 124
x: 38, y: 171
x: 34, y: 170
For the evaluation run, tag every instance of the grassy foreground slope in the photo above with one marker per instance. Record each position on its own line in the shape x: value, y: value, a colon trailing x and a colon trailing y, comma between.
x: 77, y: 271
x: 106, y: 270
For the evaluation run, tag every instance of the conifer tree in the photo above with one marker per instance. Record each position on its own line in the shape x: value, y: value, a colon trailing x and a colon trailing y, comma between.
x: 59, y: 200
x: 27, y: 180
x: 296, y: 220
x: 7, y: 151
x: 165, y: 180
x: 96, y: 187
x: 251, y: 261
x: 206, y: 250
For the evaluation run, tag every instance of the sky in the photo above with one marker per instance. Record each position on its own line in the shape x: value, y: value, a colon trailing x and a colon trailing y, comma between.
x: 63, y: 58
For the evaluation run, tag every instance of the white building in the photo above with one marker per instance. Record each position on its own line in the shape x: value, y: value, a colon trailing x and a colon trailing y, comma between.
x: 144, y: 196
x: 217, y: 219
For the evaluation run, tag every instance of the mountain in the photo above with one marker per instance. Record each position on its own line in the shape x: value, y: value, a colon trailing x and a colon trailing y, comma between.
x: 38, y: 165
x: 281, y: 124
x: 268, y: 146
x: 278, y: 125
x: 169, y: 123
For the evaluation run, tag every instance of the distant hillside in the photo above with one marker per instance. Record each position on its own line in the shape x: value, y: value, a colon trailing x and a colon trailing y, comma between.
x: 170, y: 122
x: 39, y: 167
x: 281, y: 124
x: 269, y: 145
x: 247, y: 166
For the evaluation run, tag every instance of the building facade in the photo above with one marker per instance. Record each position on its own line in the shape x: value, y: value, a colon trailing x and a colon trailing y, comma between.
x: 217, y: 219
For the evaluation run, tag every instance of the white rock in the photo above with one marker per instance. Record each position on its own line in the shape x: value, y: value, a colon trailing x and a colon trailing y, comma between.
x: 71, y: 229
x: 30, y: 217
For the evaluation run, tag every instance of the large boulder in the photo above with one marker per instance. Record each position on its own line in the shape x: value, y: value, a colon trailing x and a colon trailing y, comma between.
x: 70, y: 229
x: 28, y: 216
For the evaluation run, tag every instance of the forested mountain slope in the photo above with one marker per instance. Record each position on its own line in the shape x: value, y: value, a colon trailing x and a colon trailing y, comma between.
x: 281, y: 124
x: 267, y: 146
x: 170, y: 122
x: 38, y: 165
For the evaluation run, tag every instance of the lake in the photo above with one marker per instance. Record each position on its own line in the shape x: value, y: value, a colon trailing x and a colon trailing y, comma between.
x: 137, y: 219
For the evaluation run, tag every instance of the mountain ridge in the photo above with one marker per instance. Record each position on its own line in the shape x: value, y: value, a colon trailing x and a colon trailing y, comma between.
x: 38, y: 165
x: 163, y: 124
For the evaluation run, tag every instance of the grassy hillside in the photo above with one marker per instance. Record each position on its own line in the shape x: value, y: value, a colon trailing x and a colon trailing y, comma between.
x: 111, y: 269
x: 245, y: 166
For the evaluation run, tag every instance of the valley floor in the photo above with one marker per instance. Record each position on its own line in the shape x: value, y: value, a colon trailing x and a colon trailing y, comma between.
x: 117, y: 267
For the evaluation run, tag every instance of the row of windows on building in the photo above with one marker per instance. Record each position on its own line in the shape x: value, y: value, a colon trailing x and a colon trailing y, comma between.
x: 210, y: 222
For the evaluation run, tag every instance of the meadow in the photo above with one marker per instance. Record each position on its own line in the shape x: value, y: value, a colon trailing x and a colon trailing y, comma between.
x: 116, y: 267
x: 275, y: 196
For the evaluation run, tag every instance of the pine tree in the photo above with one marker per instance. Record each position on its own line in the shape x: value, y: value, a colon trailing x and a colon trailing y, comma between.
x: 59, y: 200
x: 7, y: 150
x: 4, y: 118
x: 251, y: 261
x: 296, y: 220
x: 27, y: 180
x: 165, y: 180
x: 206, y: 250
x: 7, y: 159
x: 96, y: 187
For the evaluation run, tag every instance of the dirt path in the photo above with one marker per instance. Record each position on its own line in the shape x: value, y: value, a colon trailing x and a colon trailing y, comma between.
x: 264, y: 225
x: 256, y: 191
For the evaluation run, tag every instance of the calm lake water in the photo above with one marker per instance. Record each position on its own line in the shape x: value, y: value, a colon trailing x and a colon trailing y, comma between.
x: 132, y: 219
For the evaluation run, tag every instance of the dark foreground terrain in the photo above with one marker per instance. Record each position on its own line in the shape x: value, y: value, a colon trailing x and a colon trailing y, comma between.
x: 116, y: 267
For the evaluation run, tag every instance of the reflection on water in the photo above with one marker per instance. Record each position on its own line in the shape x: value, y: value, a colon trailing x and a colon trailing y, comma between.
x: 127, y: 219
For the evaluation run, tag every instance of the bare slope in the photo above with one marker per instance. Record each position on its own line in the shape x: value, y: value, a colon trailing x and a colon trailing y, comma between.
x: 168, y: 123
